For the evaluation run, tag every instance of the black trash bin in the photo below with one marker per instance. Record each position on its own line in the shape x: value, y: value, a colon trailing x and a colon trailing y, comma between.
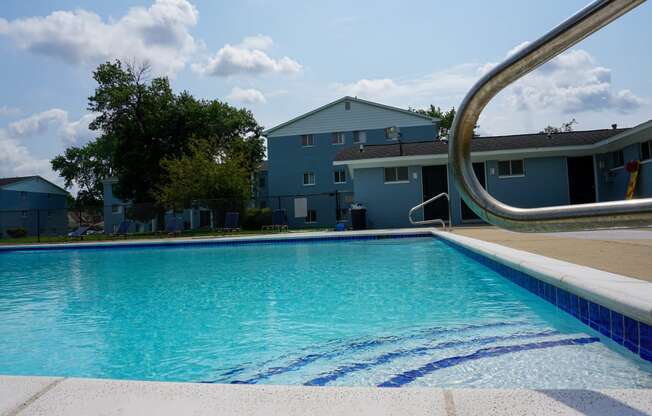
x: 359, y: 217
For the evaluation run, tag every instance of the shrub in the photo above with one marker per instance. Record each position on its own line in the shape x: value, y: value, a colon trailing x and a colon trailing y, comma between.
x: 255, y: 218
x: 16, y: 232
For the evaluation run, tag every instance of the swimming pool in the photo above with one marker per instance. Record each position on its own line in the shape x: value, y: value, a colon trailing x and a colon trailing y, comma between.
x: 371, y: 312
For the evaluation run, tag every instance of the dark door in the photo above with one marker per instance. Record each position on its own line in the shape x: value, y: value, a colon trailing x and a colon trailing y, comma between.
x: 581, y: 180
x: 435, y: 181
x: 467, y: 213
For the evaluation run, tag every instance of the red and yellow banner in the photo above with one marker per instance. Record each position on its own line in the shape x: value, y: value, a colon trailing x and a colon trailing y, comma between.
x: 632, y: 167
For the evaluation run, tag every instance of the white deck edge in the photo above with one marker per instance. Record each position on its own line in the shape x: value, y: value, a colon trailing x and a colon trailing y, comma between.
x: 629, y: 296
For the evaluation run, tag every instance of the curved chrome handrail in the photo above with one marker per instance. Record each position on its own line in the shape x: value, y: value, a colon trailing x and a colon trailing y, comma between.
x: 435, y: 221
x: 559, y: 218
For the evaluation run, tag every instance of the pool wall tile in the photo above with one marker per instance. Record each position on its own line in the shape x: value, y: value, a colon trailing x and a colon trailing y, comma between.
x: 634, y: 335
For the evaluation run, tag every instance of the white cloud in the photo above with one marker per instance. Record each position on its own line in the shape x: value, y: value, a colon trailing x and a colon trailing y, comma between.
x: 249, y: 95
x: 158, y: 34
x: 261, y: 42
x: 6, y: 111
x: 571, y: 83
x: 247, y: 58
x: 16, y: 160
x: 70, y: 132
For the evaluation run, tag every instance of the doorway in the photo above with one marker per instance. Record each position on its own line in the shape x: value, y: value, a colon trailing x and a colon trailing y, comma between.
x: 581, y: 180
x: 467, y: 213
x: 435, y: 181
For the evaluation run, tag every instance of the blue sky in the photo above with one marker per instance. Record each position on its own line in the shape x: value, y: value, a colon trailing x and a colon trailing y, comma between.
x: 283, y: 58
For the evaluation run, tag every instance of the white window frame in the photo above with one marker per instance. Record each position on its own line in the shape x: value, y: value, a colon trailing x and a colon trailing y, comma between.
x: 338, y: 139
x: 359, y: 136
x: 511, y: 175
x: 309, y: 140
x: 314, y: 221
x: 622, y: 165
x: 309, y: 174
x: 340, y: 173
x: 407, y: 170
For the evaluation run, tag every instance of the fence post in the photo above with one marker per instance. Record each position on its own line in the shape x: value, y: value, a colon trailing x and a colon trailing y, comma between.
x: 38, y: 225
x: 337, y: 206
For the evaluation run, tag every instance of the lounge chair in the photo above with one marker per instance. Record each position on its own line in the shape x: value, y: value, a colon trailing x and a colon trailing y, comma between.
x: 232, y: 221
x: 123, y: 228
x: 172, y: 226
x: 279, y: 221
x: 79, y: 232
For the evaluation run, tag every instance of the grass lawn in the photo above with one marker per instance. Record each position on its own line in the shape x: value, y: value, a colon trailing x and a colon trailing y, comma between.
x: 140, y: 236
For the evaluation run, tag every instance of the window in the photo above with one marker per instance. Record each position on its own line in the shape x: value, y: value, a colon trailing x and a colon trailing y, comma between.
x: 338, y: 138
x: 312, y: 216
x: 307, y: 140
x: 308, y: 178
x: 343, y: 213
x: 359, y: 137
x: 261, y: 182
x: 49, y: 214
x: 617, y: 158
x: 49, y: 196
x: 646, y: 150
x: 339, y: 176
x: 396, y: 175
x: 347, y: 105
x: 507, y: 168
x: 116, y: 209
x: 391, y: 133
x: 23, y: 195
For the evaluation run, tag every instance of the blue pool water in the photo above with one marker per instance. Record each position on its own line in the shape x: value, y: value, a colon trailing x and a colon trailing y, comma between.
x: 391, y: 312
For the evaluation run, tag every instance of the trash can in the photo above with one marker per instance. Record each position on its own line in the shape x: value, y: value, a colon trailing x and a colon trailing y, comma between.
x: 358, y: 217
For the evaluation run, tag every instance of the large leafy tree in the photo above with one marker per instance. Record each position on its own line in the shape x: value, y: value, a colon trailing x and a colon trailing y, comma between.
x: 445, y: 116
x: 85, y: 167
x: 202, y: 176
x: 151, y: 123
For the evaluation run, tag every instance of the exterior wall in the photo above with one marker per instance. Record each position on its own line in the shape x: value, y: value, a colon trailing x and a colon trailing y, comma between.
x: 388, y: 204
x: 29, y: 210
x: 612, y: 180
x: 361, y: 116
x: 288, y: 160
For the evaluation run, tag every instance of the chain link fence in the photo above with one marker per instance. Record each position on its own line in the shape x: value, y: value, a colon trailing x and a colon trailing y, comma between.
x: 318, y: 210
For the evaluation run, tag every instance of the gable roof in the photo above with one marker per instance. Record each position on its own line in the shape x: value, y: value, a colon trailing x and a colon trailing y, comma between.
x: 351, y: 99
x: 17, y: 179
x: 481, y: 144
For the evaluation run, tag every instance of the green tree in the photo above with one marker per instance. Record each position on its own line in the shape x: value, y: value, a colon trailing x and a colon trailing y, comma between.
x: 202, y: 176
x: 85, y: 167
x: 564, y: 128
x: 445, y: 117
x: 151, y: 123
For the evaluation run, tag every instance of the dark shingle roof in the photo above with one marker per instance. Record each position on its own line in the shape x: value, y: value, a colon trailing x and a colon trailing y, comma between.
x: 480, y: 144
x: 7, y: 181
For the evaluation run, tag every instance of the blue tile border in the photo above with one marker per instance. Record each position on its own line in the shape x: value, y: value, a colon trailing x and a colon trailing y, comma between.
x: 234, y: 242
x: 634, y: 335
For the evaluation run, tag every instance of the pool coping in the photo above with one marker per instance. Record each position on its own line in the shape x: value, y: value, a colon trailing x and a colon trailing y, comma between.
x: 631, y: 297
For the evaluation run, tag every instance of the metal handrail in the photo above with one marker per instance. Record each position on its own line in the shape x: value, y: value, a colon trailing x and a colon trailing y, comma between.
x: 435, y: 221
x: 631, y: 213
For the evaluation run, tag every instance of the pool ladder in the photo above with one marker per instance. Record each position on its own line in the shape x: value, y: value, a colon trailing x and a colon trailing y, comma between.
x: 435, y: 221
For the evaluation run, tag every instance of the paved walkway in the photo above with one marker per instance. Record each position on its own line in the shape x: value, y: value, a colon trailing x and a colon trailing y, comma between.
x: 626, y: 252
x: 22, y: 396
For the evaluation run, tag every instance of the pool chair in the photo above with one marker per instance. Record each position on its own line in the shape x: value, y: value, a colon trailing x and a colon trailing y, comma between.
x: 123, y: 228
x: 279, y: 221
x: 173, y: 227
x: 232, y: 221
x: 79, y: 232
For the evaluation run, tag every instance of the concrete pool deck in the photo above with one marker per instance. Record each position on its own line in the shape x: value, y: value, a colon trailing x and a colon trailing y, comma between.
x: 626, y: 252
x: 23, y: 396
